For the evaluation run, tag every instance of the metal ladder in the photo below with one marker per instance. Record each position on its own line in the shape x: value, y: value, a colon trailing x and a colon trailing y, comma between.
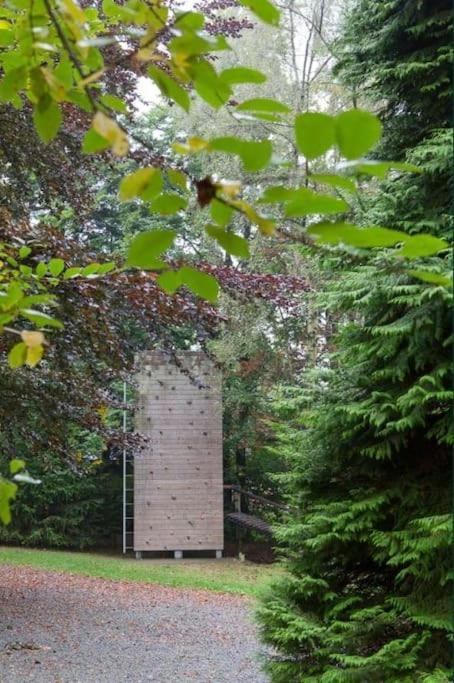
x: 128, y: 488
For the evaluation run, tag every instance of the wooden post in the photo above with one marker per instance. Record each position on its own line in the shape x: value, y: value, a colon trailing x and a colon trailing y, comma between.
x: 236, y: 500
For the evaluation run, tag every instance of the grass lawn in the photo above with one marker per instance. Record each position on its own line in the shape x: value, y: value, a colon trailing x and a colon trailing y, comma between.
x: 227, y: 575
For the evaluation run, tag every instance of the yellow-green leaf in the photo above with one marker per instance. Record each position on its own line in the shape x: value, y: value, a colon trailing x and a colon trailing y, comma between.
x: 415, y: 246
x: 334, y: 181
x: 56, y: 266
x: 109, y: 129
x: 47, y: 118
x: 221, y: 212
x: 315, y: 134
x: 357, y: 132
x: 169, y: 280
x: 15, y: 465
x: 264, y: 104
x: 93, y: 142
x: 7, y: 493
x: 432, y: 278
x: 17, y: 355
x: 264, y: 10
x: 309, y: 202
x: 114, y: 102
x: 34, y: 355
x: 241, y: 74
x: 168, y: 204
x: 169, y: 87
x: 202, y: 284
x: 345, y: 233
x: 255, y: 155
x: 231, y: 243
x: 146, y: 247
x: 144, y: 180
x: 177, y: 178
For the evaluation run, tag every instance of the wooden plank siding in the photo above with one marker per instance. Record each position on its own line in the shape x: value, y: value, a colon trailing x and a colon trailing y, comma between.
x: 178, y: 484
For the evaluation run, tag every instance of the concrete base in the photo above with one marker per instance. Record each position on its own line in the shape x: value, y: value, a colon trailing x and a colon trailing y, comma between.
x: 178, y: 554
x: 219, y: 554
x: 138, y: 554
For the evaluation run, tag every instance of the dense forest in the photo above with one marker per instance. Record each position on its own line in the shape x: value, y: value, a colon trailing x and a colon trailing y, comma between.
x: 271, y: 184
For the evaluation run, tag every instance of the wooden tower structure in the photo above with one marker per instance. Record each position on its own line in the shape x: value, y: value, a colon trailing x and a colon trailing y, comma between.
x: 178, y: 483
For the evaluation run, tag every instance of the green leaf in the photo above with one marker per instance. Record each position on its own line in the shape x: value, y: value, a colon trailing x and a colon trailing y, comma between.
x: 432, y: 278
x: 345, y: 233
x: 309, y: 202
x: 64, y: 73
x: 357, y: 131
x: 169, y: 280
x: 146, y: 181
x: 56, y: 266
x: 12, y: 296
x: 177, y: 178
x: 202, y: 284
x: 106, y: 267
x: 168, y: 204
x: 24, y: 252
x: 41, y: 269
x: 15, y: 465
x: 17, y: 355
x: 209, y: 86
x: 47, y: 118
x: 145, y: 248
x: 380, y: 169
x: 114, y: 102
x: 264, y: 10
x: 422, y: 245
x: 334, y: 181
x: 254, y: 155
x: 169, y: 87
x: 7, y: 494
x: 233, y: 244
x: 190, y: 20
x: 278, y: 193
x: 315, y: 134
x: 93, y: 142
x: 37, y: 299
x: 91, y: 269
x: 6, y: 38
x: 41, y: 319
x: 221, y: 213
x: 72, y: 272
x: 264, y: 104
x: 240, y: 74
x: 6, y: 318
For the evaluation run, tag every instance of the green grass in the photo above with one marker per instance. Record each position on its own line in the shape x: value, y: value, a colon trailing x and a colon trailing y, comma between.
x: 227, y: 575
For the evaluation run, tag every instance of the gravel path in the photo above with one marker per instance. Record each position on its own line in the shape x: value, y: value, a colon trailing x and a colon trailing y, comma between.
x: 63, y: 628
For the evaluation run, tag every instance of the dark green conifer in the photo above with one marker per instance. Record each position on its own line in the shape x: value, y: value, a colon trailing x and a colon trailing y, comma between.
x: 367, y: 597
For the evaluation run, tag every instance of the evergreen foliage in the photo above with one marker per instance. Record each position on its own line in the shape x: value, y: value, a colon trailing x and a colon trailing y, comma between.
x: 368, y: 594
x: 74, y: 507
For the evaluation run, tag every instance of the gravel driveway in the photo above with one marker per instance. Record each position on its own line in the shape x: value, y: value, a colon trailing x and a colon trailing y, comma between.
x: 63, y: 628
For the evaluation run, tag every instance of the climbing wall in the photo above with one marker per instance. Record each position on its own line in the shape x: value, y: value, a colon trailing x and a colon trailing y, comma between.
x: 178, y: 486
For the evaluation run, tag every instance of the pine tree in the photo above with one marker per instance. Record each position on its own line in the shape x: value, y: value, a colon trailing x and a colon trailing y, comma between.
x: 367, y: 596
